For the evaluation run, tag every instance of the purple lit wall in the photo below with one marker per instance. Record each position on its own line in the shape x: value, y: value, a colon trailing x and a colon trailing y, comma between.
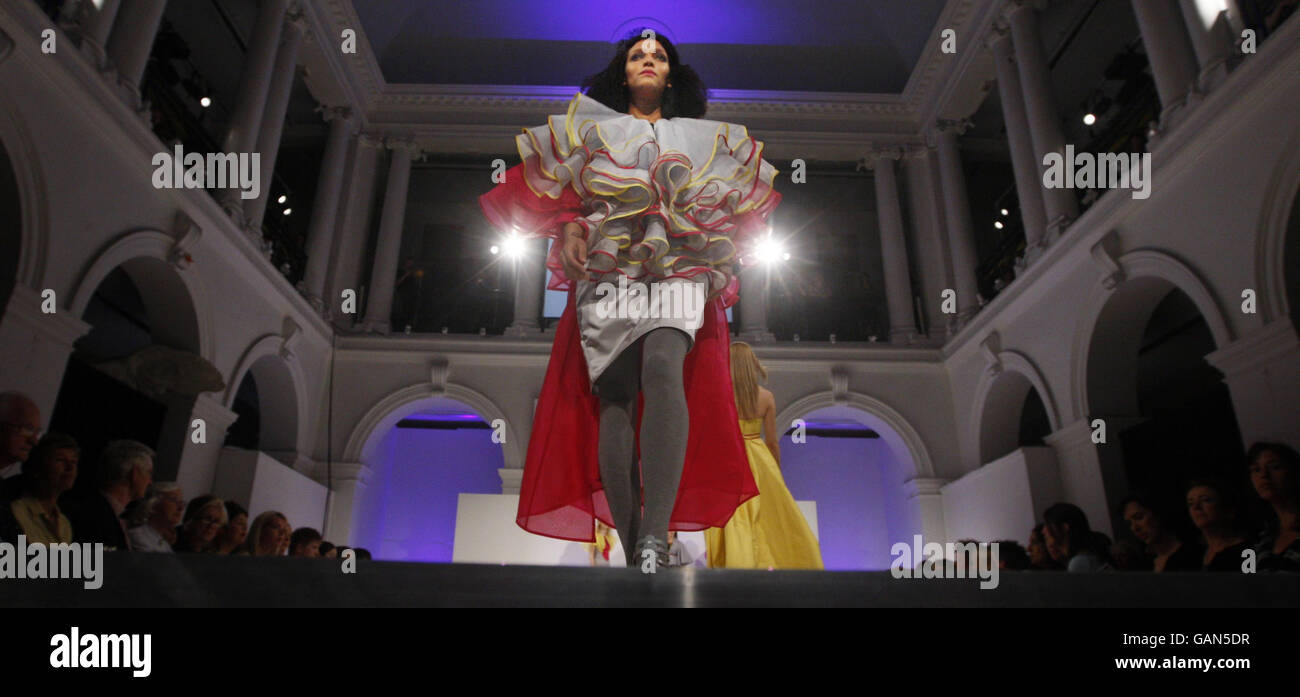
x: 408, y: 512
x: 859, y: 497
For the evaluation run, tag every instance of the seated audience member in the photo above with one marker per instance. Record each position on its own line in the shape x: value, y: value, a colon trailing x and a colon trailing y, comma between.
x: 362, y: 553
x: 125, y: 471
x: 340, y: 550
x: 232, y: 534
x: 268, y: 536
x: 1127, y: 555
x: 1273, y: 474
x: 20, y: 420
x: 152, y: 523
x: 204, y: 517
x: 1011, y: 556
x: 1214, y: 513
x: 305, y: 542
x: 1039, y: 559
x: 327, y: 550
x: 1069, y: 539
x: 50, y: 470
x: 1153, y: 526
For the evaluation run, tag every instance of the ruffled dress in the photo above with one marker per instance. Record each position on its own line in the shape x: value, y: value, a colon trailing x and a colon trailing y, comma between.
x: 670, y: 203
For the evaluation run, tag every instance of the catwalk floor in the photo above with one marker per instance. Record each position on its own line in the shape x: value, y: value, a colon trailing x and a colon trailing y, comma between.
x: 140, y: 580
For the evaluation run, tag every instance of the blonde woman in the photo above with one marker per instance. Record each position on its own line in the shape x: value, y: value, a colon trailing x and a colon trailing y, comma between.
x: 767, y: 531
x: 268, y: 536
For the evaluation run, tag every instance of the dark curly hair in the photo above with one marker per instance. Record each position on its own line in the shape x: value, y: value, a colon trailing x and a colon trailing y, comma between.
x: 686, y: 97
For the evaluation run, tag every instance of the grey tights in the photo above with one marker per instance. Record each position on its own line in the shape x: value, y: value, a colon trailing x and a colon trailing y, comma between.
x: 663, y: 434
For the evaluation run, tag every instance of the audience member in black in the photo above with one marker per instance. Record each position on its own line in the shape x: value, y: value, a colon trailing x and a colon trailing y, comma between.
x: 1273, y: 473
x: 327, y: 550
x: 1070, y: 540
x: 362, y: 553
x: 1214, y: 513
x: 233, y: 533
x: 125, y: 472
x: 204, y: 517
x: 1012, y: 556
x: 1039, y: 559
x: 305, y: 542
x: 340, y: 550
x: 20, y: 431
x: 1127, y: 555
x: 50, y: 470
x: 1153, y: 526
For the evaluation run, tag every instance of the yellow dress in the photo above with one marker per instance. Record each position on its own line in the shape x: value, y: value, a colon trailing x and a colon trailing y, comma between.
x: 767, y: 530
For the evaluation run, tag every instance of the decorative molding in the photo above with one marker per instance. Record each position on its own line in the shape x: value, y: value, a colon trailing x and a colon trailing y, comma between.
x: 187, y: 234
x: 290, y: 336
x: 1103, y: 254
x: 839, y: 385
x: 990, y: 347
x: 438, y: 370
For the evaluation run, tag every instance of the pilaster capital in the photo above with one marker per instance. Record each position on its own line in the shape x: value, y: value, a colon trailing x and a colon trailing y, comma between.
x: 957, y: 126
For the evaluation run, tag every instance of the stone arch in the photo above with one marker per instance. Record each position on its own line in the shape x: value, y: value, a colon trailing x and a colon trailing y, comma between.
x: 385, y: 414
x: 902, y: 439
x: 168, y: 292
x: 33, y: 222
x: 282, y: 393
x: 1116, y: 318
x: 999, y: 400
x: 1279, y: 223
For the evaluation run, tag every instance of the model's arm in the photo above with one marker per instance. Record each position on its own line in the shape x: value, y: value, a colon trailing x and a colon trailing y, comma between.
x: 770, y: 435
x: 574, y: 254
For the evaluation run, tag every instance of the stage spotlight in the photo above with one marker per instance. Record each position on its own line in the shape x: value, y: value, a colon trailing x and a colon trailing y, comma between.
x: 785, y: 256
x: 1089, y: 119
x: 494, y: 249
x: 282, y: 198
x: 998, y: 224
x: 514, y: 247
x: 205, y: 102
x: 769, y: 250
x: 1004, y: 211
x: 287, y: 211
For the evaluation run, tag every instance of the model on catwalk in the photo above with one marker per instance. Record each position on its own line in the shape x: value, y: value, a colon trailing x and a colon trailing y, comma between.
x: 633, y: 186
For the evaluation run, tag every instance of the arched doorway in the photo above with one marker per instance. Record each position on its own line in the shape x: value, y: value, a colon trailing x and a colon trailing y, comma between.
x: 1014, y: 416
x: 267, y: 402
x: 1170, y: 414
x: 423, y: 454
x: 854, y: 465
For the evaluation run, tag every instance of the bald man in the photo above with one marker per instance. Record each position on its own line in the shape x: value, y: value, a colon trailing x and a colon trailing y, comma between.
x: 20, y: 430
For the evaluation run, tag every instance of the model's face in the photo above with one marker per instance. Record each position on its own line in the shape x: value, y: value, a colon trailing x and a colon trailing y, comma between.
x: 647, y: 69
x: 1273, y: 482
x: 1205, y: 507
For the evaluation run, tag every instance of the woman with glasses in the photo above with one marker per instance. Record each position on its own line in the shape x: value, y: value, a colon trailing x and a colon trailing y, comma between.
x: 203, y: 520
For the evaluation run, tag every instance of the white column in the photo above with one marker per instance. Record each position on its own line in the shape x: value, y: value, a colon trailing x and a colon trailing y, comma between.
x: 384, y: 273
x: 956, y: 206
x: 926, y: 207
x: 1208, y: 27
x: 898, y: 282
x: 1262, y: 371
x: 925, y: 495
x: 36, y: 347
x: 754, y: 278
x: 95, y: 26
x: 132, y: 39
x: 530, y: 283
x: 1173, y: 61
x: 347, y: 484
x: 277, y: 104
x: 1029, y: 185
x: 250, y: 102
x: 1092, y: 474
x: 198, y: 461
x: 354, y: 226
x: 324, y: 212
x: 1040, y: 109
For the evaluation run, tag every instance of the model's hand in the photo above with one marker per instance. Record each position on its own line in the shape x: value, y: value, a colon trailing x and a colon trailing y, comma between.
x: 574, y: 256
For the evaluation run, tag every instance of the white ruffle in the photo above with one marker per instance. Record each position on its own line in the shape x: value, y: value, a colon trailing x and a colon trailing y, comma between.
x: 661, y: 199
